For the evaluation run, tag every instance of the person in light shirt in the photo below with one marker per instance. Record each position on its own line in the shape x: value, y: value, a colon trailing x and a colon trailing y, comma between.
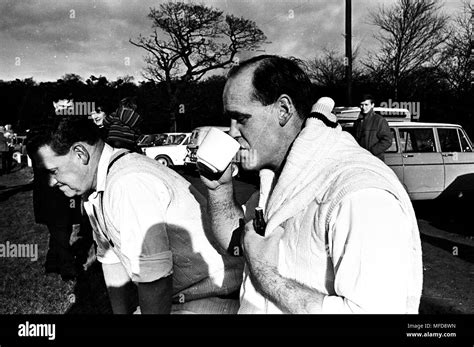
x: 149, y: 223
x: 341, y: 235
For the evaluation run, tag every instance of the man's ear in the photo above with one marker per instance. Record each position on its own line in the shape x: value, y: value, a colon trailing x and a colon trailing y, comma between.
x: 286, y: 109
x: 81, y: 152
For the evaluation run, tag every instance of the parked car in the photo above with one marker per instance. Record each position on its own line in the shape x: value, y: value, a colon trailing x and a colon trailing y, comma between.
x: 197, y: 135
x: 149, y: 140
x: 432, y: 160
x: 173, y: 150
x: 17, y: 143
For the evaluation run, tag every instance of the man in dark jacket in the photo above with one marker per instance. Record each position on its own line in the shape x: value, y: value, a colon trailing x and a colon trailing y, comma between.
x: 371, y: 130
x: 62, y: 215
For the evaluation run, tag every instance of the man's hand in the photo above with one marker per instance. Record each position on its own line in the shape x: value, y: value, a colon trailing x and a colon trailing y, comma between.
x: 155, y: 297
x: 91, y: 258
x: 214, y: 181
x: 76, y: 229
x: 261, y: 253
x: 223, y: 209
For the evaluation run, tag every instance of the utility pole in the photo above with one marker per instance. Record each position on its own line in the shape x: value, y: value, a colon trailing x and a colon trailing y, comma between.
x: 348, y: 58
x: 472, y: 44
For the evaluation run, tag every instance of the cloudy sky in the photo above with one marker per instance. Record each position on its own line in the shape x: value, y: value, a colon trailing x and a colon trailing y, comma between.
x: 46, y: 39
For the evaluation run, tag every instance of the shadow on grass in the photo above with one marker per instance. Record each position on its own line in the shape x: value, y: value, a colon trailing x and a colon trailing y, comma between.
x: 436, y: 306
x: 7, y: 192
x: 462, y: 251
x: 454, y: 216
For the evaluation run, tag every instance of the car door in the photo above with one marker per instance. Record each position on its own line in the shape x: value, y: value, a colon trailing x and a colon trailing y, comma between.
x: 458, y: 159
x: 181, y: 149
x: 393, y: 157
x: 423, y: 172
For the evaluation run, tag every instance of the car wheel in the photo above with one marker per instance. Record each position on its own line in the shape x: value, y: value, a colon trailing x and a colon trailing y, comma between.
x: 163, y: 160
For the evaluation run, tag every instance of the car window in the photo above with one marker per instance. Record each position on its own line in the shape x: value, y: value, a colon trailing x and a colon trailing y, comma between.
x: 194, y: 137
x: 142, y: 139
x: 175, y: 140
x: 146, y: 140
x: 449, y: 140
x: 393, y: 147
x: 160, y: 139
x: 179, y: 139
x: 417, y: 140
x: 465, y: 146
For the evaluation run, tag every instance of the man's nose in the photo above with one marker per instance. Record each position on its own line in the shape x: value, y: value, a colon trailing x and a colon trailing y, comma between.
x: 52, y: 181
x: 234, y: 130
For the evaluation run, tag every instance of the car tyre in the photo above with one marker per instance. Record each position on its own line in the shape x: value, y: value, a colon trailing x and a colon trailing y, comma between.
x: 164, y: 160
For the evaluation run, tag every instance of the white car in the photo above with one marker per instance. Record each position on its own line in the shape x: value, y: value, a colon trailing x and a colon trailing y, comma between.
x: 172, y: 152
x: 150, y: 140
x: 431, y: 159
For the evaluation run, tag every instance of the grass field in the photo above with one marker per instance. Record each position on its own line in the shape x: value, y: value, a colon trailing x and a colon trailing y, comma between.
x: 24, y: 287
x: 448, y: 276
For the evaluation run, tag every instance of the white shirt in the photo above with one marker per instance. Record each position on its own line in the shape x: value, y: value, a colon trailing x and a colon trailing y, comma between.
x: 155, y: 221
x: 368, y: 253
x: 371, y: 265
x: 136, y: 213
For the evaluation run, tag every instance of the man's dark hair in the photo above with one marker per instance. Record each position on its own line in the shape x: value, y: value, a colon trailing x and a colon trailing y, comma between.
x: 368, y: 97
x: 61, y: 134
x: 274, y: 76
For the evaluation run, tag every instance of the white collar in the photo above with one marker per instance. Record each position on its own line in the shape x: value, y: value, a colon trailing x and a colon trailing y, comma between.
x: 104, y: 160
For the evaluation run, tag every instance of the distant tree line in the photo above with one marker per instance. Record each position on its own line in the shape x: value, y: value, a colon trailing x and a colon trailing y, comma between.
x: 422, y: 56
x: 27, y: 103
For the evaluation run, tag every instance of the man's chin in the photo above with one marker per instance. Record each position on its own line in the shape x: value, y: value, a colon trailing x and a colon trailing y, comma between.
x: 250, y: 166
x: 69, y: 192
x: 249, y: 161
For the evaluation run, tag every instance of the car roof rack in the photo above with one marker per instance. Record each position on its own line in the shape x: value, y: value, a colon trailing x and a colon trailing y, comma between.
x: 350, y: 114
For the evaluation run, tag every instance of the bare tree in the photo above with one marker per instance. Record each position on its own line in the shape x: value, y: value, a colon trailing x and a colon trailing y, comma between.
x: 72, y: 77
x: 457, y: 62
x: 328, y: 68
x: 122, y: 80
x: 199, y: 39
x: 411, y: 35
